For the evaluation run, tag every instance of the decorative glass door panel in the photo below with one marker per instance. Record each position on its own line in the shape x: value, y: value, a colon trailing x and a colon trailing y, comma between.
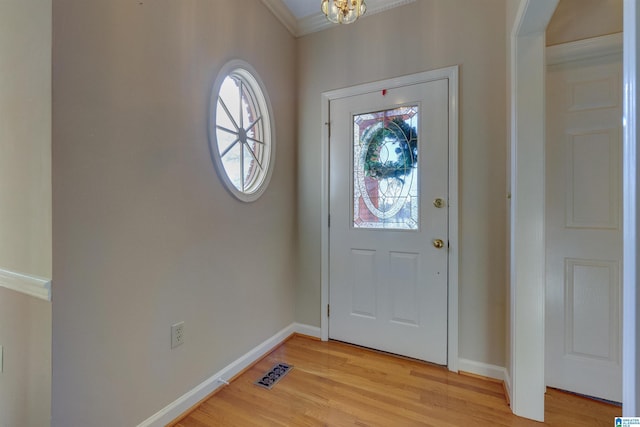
x: 385, y: 169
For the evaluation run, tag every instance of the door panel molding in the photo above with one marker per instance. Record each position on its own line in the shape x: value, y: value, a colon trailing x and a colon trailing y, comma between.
x: 405, y: 292
x: 604, y: 163
x: 451, y: 74
x: 584, y: 317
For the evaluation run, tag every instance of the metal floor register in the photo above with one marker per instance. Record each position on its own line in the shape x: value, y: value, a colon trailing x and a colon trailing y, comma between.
x: 272, y: 376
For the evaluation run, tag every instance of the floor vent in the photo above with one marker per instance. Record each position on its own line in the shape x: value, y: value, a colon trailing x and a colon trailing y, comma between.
x: 272, y: 376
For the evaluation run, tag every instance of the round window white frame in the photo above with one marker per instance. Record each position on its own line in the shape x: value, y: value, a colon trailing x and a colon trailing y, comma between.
x: 249, y: 77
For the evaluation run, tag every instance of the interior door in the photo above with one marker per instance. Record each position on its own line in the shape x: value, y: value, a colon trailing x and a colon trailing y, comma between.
x: 388, y: 213
x: 583, y: 227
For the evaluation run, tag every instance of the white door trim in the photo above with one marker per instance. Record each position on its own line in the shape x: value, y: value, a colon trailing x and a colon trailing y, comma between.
x: 527, y: 286
x: 631, y: 218
x: 450, y: 73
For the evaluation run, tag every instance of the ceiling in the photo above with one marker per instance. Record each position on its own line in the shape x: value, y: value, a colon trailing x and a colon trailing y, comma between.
x: 303, y: 16
x: 302, y: 8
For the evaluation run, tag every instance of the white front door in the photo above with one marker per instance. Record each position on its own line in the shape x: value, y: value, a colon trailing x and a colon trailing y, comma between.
x: 388, y: 211
x: 584, y: 227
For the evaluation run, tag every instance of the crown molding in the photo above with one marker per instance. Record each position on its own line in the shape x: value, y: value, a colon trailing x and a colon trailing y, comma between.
x: 317, y: 21
x: 284, y: 15
x: 377, y: 6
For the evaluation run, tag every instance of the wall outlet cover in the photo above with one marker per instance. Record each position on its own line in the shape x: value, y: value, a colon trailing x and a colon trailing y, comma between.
x: 177, y: 334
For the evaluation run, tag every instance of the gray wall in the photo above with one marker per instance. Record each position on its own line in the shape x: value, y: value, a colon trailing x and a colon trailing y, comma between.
x: 424, y: 35
x: 25, y: 384
x: 144, y: 233
x: 25, y: 208
x: 25, y: 136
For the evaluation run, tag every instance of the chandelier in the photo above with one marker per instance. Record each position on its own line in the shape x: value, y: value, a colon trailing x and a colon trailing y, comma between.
x: 343, y: 11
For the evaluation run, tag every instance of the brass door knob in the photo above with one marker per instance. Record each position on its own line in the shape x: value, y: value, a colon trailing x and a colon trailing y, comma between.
x: 438, y: 203
x: 438, y: 243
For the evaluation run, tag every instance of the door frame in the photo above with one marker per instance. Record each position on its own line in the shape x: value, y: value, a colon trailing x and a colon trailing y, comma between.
x: 530, y: 23
x: 450, y: 73
x: 525, y: 369
x: 631, y: 215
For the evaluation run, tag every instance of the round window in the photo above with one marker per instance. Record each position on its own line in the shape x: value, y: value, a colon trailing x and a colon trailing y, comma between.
x: 240, y: 132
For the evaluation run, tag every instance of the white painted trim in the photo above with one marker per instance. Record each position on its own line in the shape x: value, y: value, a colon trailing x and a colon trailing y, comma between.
x: 35, y: 286
x: 201, y: 391
x: 450, y: 73
x: 308, y: 330
x: 253, y: 83
x: 408, y: 80
x: 482, y: 369
x: 324, y: 218
x: 507, y: 385
x: 377, y: 6
x: 631, y: 218
x: 284, y: 15
x: 317, y: 21
x: 454, y: 237
x: 585, y: 49
x: 314, y: 23
x: 192, y: 397
x: 527, y: 243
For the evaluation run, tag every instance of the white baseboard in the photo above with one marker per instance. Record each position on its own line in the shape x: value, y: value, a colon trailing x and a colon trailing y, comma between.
x: 482, y: 369
x: 310, y: 331
x: 192, y: 397
x: 38, y: 287
x: 507, y: 384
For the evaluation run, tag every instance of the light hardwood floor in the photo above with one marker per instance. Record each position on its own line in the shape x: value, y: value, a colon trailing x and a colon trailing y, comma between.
x: 336, y: 384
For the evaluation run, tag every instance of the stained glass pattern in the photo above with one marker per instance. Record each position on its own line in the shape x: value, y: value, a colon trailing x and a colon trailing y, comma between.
x: 385, y: 169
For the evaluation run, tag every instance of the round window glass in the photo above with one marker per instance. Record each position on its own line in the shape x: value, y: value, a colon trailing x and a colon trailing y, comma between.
x: 241, y: 135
